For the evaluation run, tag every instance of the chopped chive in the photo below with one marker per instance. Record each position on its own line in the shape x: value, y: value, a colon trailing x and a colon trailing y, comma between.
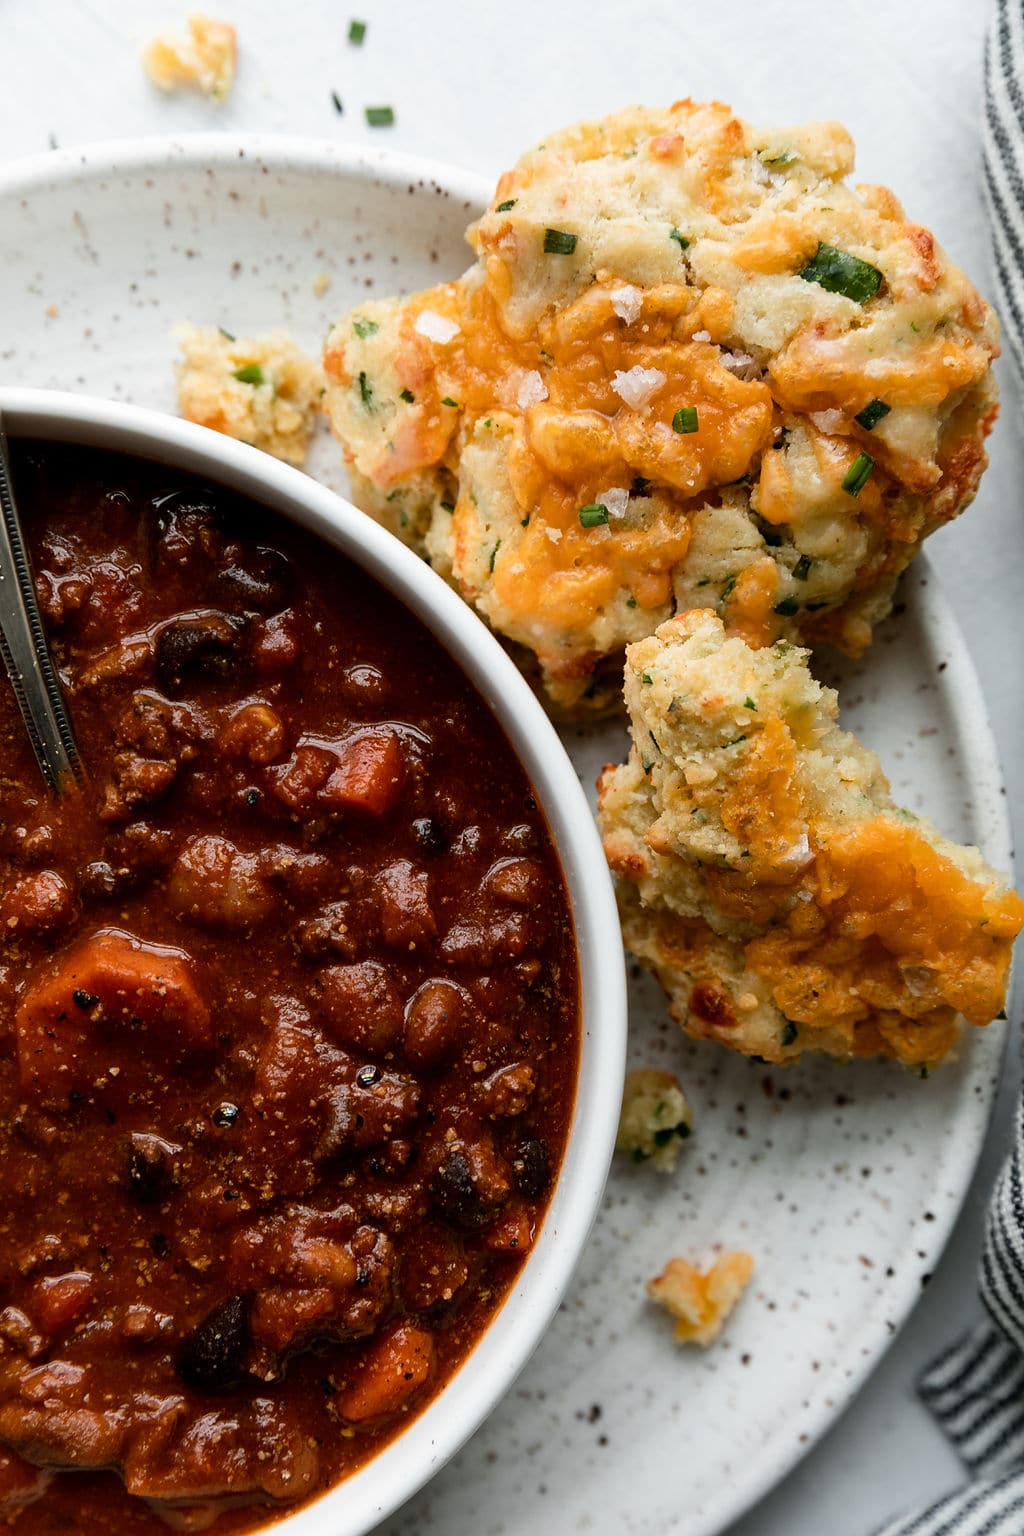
x: 504, y: 207
x: 647, y: 763
x: 449, y: 401
x: 366, y: 391
x: 748, y: 703
x: 789, y: 1033
x: 356, y: 32
x: 787, y: 607
x: 525, y: 522
x: 494, y: 551
x: 364, y: 328
x: 410, y: 399
x: 337, y: 103
x: 1001, y: 1015
x: 631, y: 601
x: 594, y: 515
x: 640, y: 486
x: 681, y: 240
x: 872, y: 414
x: 802, y: 569
x: 380, y: 117
x: 727, y: 589
x: 447, y: 506
x: 735, y: 741
x: 645, y: 677
x: 784, y: 157
x: 226, y: 334
x: 558, y: 242
x: 858, y: 474
x: 685, y: 419
x: 839, y: 272
x: 252, y: 373
x: 654, y: 738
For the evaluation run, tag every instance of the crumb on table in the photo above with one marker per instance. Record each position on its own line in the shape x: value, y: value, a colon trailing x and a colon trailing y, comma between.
x: 700, y: 1301
x: 206, y: 59
x: 655, y: 1118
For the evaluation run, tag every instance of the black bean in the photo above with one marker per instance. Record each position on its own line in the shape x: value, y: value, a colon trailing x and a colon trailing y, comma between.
x: 207, y: 647
x: 100, y: 879
x: 457, y: 1197
x: 264, y: 583
x: 152, y: 1170
x: 430, y: 835
x: 530, y: 1168
x: 212, y: 1356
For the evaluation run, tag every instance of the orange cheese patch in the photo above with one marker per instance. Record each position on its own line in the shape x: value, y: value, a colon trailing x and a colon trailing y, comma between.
x: 893, y: 926
x: 575, y: 437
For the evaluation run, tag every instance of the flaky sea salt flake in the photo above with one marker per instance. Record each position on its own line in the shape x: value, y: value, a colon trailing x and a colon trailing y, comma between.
x: 435, y: 327
x: 637, y: 385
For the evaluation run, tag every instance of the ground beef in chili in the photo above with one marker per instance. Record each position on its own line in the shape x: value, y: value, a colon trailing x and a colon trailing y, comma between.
x: 290, y: 1016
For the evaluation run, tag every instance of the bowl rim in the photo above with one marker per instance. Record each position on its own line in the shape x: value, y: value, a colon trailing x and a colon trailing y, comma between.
x: 98, y: 158
x: 352, y: 1506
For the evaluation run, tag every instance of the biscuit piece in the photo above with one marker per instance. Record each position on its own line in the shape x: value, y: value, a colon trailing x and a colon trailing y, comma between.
x: 206, y: 59
x: 690, y: 367
x: 261, y: 389
x: 655, y: 1118
x: 782, y: 899
x: 701, y: 1302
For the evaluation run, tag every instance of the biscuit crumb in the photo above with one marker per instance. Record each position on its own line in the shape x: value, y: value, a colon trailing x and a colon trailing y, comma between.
x: 261, y: 390
x: 655, y: 1119
x: 321, y: 283
x: 205, y: 60
x: 700, y: 1301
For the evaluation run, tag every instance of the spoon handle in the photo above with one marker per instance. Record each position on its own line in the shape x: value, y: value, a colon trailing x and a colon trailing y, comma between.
x: 24, y: 653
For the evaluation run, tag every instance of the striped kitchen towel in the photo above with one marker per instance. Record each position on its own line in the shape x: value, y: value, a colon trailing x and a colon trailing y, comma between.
x: 1003, y: 134
x: 976, y: 1388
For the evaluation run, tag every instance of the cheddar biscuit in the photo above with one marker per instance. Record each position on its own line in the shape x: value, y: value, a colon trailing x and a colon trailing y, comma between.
x: 765, y: 875
x: 691, y: 366
x: 262, y: 390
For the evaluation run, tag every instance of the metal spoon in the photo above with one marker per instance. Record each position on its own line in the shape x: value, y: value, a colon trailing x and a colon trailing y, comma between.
x: 24, y: 653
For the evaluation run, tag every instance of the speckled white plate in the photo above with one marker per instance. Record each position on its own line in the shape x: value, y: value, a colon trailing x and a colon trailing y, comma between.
x: 843, y: 1182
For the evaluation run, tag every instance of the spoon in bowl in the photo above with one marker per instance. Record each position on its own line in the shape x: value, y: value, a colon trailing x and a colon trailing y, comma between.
x: 24, y: 653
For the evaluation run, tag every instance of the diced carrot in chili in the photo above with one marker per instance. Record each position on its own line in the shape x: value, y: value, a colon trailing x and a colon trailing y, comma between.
x: 368, y: 776
x: 394, y: 1367
x: 363, y: 772
x: 57, y: 1300
x: 108, y: 987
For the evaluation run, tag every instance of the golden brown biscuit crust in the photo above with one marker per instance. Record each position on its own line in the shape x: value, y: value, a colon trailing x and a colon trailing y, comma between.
x: 691, y: 367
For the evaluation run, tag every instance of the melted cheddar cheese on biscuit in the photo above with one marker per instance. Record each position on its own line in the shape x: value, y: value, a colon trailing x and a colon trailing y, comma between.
x: 691, y: 366
x: 782, y: 899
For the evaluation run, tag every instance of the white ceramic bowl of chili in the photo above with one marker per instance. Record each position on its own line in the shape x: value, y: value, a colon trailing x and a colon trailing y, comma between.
x: 409, y: 1460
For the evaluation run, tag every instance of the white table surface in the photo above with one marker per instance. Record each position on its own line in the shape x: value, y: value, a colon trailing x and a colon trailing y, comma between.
x: 474, y: 83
